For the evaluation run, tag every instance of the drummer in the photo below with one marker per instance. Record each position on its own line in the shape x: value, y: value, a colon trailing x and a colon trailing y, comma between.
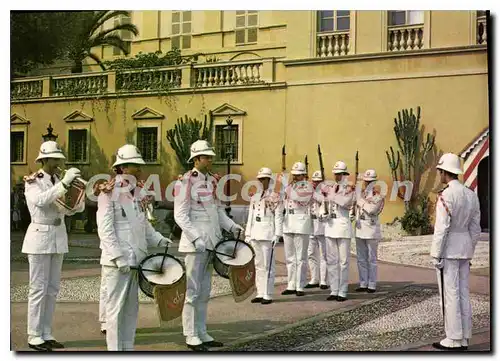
x: 263, y: 230
x: 125, y: 234
x: 201, y: 223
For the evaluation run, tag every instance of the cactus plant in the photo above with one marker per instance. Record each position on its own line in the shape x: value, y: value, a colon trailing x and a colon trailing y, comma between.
x: 185, y: 133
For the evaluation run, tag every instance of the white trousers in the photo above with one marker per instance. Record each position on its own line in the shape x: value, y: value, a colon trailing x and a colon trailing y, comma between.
x: 337, y: 260
x: 296, y: 260
x: 316, y: 253
x: 198, y: 286
x: 265, y: 268
x: 44, y: 281
x: 122, y: 307
x: 366, y: 251
x: 102, y: 300
x: 457, y: 307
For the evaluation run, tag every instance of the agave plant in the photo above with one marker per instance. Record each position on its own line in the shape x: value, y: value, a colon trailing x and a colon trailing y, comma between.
x: 90, y: 35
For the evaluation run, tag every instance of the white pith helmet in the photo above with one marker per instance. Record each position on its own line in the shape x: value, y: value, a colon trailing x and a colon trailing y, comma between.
x: 316, y: 176
x: 128, y: 154
x: 370, y: 175
x: 264, y: 173
x: 451, y: 163
x: 201, y: 147
x: 50, y: 149
x: 298, y: 168
x: 340, y: 168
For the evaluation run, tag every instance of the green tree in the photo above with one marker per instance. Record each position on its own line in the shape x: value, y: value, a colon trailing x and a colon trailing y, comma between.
x: 89, y: 34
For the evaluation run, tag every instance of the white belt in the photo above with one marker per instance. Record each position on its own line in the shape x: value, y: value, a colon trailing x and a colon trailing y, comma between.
x: 47, y: 221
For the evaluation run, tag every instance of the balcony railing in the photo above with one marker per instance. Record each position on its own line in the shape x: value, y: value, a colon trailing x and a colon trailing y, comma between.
x: 482, y: 30
x: 209, y: 75
x: 407, y: 37
x: 332, y: 44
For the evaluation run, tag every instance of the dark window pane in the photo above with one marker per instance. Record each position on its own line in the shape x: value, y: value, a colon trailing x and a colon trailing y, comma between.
x: 343, y: 23
x: 186, y: 16
x: 176, y: 17
x: 240, y: 21
x: 240, y: 36
x: 397, y: 18
x: 175, y: 29
x: 77, y: 140
x: 221, y: 147
x: 147, y: 142
x: 481, y: 13
x: 252, y: 35
x: 176, y: 42
x: 186, y: 28
x: 16, y: 146
x: 325, y: 14
x: 252, y: 20
x: 343, y: 12
x: 326, y: 25
x: 186, y: 41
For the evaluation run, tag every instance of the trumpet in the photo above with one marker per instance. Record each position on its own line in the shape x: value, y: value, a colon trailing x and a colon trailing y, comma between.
x: 149, y: 214
x: 75, y: 195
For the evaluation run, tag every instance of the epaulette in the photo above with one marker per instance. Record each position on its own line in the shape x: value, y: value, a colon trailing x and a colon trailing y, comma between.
x: 32, y: 177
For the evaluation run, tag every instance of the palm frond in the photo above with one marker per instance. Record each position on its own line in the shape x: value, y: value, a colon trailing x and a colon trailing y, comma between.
x: 113, y: 40
x: 97, y: 60
x: 122, y: 27
x: 105, y: 16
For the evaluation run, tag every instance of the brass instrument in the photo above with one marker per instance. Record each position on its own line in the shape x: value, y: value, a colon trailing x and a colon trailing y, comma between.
x: 148, y: 209
x: 75, y: 195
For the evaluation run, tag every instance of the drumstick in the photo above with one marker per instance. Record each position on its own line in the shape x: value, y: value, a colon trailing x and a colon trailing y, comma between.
x: 166, y: 248
x: 145, y: 269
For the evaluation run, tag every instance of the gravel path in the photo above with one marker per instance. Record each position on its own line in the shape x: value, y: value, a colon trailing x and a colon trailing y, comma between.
x: 402, y: 318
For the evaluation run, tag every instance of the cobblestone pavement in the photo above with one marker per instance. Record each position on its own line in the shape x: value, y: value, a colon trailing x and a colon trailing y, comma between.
x: 402, y: 318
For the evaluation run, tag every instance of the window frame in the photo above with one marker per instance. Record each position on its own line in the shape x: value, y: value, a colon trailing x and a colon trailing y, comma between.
x: 335, y: 22
x: 238, y: 121
x: 154, y: 131
x: 181, y: 34
x: 23, y: 130
x: 245, y: 28
x: 407, y: 13
x: 70, y: 128
x: 150, y: 123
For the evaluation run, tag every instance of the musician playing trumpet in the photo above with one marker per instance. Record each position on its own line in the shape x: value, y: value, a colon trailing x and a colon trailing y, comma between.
x: 125, y: 235
x: 46, y: 242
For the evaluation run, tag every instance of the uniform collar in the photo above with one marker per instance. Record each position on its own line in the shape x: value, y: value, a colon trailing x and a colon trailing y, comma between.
x: 199, y: 174
x: 453, y: 182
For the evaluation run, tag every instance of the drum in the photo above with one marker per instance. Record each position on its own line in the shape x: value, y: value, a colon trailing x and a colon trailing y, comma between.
x: 173, y: 272
x: 231, y: 252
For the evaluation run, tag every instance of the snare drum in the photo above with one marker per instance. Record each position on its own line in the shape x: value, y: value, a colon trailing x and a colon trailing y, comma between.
x: 231, y: 252
x: 173, y: 271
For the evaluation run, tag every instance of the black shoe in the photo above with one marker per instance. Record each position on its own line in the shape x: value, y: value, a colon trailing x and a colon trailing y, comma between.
x: 288, y: 292
x: 324, y: 287
x: 54, y: 344
x: 369, y: 290
x: 362, y: 289
x: 300, y: 293
x: 267, y: 302
x: 198, y: 348
x: 444, y: 348
x: 314, y: 285
x: 44, y: 347
x: 341, y: 299
x: 103, y: 332
x: 257, y: 300
x: 332, y: 298
x: 213, y: 344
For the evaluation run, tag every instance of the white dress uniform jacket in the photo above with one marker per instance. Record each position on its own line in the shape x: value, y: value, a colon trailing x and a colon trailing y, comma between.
x: 200, y: 216
x: 124, y: 232
x: 456, y: 233
x: 338, y: 233
x: 45, y: 242
x: 368, y: 207
x: 265, y: 220
x: 317, y: 245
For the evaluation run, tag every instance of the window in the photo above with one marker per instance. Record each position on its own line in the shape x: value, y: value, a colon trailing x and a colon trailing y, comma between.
x: 17, y: 147
x: 333, y: 20
x: 246, y: 26
x: 408, y: 17
x: 181, y: 29
x: 220, y: 145
x: 124, y: 34
x: 77, y: 140
x: 481, y: 14
x: 147, y: 142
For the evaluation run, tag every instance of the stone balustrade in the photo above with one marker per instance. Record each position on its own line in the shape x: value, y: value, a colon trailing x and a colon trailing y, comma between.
x: 407, y: 37
x: 482, y: 30
x: 332, y: 44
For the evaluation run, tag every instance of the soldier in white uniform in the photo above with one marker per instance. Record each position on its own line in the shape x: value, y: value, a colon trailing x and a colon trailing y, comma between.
x: 125, y: 235
x: 200, y: 216
x: 338, y: 232
x: 263, y: 230
x: 297, y: 228
x: 369, y: 205
x: 46, y: 242
x: 317, y: 244
x: 456, y: 233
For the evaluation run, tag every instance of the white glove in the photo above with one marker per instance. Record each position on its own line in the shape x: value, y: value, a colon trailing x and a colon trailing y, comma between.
x: 237, y: 229
x: 70, y: 176
x: 199, y: 245
x: 438, y: 263
x: 275, y: 240
x: 247, y: 239
x: 164, y: 241
x: 122, y: 265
